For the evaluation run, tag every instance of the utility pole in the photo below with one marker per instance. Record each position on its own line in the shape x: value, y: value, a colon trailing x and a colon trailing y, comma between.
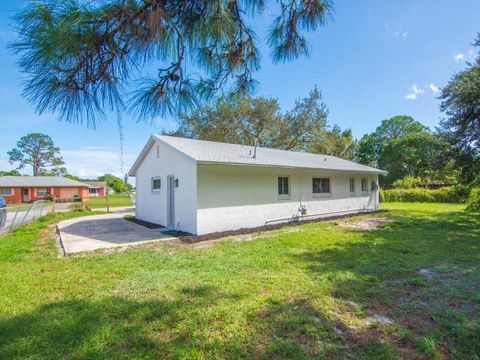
x: 106, y: 198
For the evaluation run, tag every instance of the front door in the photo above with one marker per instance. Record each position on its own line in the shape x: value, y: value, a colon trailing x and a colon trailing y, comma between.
x: 25, y: 197
x: 171, y: 201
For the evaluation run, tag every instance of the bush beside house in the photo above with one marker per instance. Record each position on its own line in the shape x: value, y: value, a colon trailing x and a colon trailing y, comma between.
x: 473, y: 201
x: 450, y: 194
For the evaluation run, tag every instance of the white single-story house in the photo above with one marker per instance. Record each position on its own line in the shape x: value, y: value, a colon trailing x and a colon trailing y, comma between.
x: 202, y: 187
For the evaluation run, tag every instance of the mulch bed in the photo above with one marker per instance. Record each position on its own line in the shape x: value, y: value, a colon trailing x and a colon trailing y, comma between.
x: 146, y: 224
x: 190, y: 239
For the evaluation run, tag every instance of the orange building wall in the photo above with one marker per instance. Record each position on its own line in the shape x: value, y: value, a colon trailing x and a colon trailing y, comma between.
x: 16, y: 198
x: 84, y: 193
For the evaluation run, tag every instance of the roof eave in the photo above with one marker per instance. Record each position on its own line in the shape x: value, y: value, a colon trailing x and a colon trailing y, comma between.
x: 373, y: 171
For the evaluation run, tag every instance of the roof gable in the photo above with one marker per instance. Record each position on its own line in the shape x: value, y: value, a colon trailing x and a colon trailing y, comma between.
x: 146, y: 149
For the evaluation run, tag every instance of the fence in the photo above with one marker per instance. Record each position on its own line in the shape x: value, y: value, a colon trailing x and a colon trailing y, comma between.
x: 13, y: 216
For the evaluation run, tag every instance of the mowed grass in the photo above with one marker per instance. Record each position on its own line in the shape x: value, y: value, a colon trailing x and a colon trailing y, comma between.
x: 115, y: 200
x: 312, y: 291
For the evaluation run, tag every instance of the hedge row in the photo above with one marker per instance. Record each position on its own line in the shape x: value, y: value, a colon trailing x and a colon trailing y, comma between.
x: 473, y: 201
x: 451, y: 194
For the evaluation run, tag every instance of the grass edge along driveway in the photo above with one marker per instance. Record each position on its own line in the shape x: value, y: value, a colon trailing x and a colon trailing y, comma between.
x: 100, y: 202
x: 409, y: 289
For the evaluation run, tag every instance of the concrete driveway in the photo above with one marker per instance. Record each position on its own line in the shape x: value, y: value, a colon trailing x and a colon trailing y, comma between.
x: 105, y: 231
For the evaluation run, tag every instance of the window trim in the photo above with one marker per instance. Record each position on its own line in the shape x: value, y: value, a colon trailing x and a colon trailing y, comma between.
x: 361, y: 185
x: 156, y: 191
x: 285, y: 196
x: 323, y: 194
x: 352, y: 193
x: 6, y: 188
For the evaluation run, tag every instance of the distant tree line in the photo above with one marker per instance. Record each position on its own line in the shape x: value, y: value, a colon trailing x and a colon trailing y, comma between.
x: 401, y: 145
x: 245, y: 119
x: 114, y: 182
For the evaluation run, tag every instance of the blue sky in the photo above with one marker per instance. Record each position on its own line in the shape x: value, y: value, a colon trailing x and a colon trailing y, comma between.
x: 373, y: 60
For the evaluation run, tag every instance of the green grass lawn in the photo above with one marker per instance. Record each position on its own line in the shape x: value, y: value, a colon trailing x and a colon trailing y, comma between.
x: 115, y: 200
x: 311, y: 291
x: 19, y: 207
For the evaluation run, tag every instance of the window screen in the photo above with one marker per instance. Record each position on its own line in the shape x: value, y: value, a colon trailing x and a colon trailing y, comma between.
x: 156, y: 184
x: 283, y: 185
x: 352, y: 185
x: 364, y: 185
x: 321, y: 185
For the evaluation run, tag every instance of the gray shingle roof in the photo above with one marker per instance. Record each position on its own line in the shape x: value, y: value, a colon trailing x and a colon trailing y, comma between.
x: 38, y: 181
x: 96, y: 184
x: 216, y: 152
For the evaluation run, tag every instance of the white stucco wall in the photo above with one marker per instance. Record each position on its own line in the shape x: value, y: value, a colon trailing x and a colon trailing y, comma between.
x: 233, y: 197
x: 152, y: 206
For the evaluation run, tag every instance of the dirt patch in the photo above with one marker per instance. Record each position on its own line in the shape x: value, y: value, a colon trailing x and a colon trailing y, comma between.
x: 368, y: 224
x: 243, y: 235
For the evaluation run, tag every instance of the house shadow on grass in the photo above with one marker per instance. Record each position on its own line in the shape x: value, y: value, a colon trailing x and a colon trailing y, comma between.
x: 115, y: 327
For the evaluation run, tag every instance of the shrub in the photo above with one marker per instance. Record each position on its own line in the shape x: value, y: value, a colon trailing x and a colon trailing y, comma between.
x: 381, y: 195
x: 49, y: 197
x: 451, y: 194
x: 408, y: 182
x: 473, y: 201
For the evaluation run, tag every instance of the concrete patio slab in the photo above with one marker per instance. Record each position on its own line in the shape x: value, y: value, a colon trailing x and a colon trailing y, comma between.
x: 105, y: 231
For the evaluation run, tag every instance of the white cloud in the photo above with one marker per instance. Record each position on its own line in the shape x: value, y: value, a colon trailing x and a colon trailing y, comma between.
x: 413, y: 92
x: 88, y: 162
x: 465, y: 56
x: 4, y: 164
x: 459, y: 57
x: 400, y: 34
x: 434, y: 88
x: 93, y: 161
x: 397, y: 32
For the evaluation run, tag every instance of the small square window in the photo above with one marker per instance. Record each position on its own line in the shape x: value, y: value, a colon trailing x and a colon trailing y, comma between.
x: 321, y: 185
x: 352, y: 185
x: 364, y: 185
x: 283, y: 186
x: 156, y: 183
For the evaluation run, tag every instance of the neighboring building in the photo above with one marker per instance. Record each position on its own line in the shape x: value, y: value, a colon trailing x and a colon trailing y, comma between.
x: 202, y: 187
x: 97, y: 188
x: 18, y: 189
